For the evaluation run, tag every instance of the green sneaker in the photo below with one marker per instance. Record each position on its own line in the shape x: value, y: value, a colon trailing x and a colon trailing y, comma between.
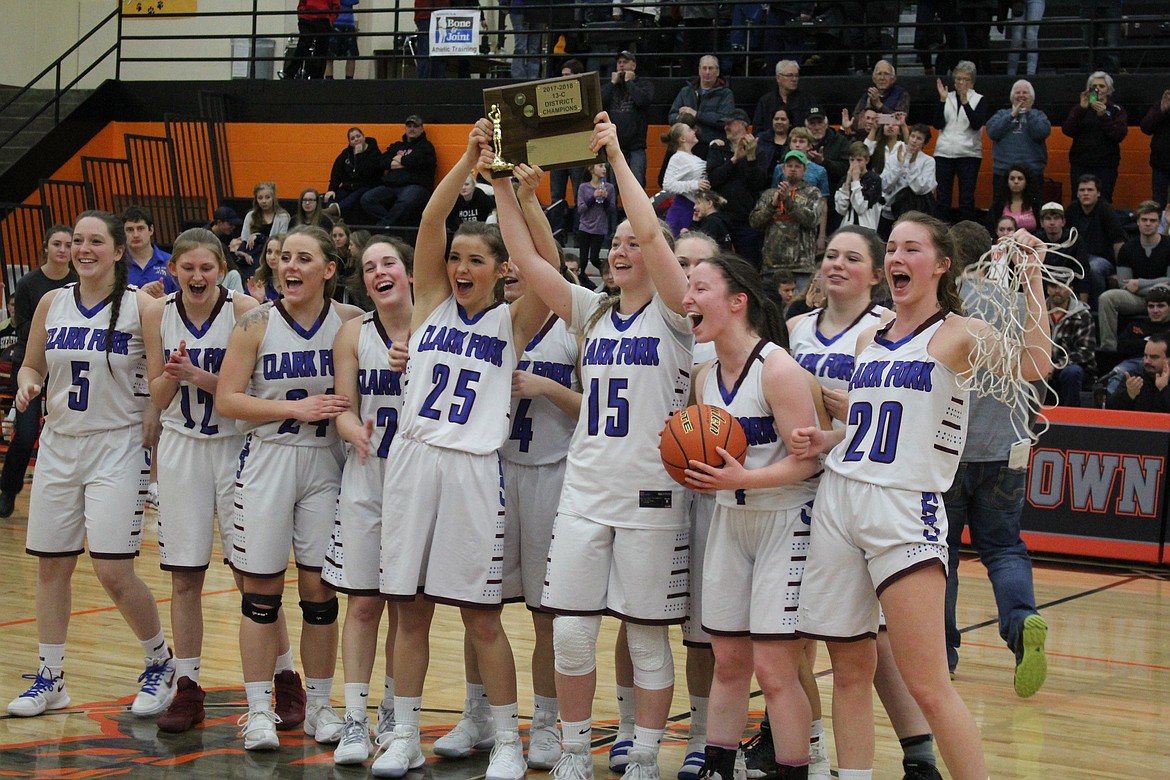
x: 1031, y: 665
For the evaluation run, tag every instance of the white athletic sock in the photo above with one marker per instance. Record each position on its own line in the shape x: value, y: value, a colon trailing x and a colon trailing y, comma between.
x: 407, y: 711
x: 318, y: 690
x: 155, y: 648
x: 259, y: 695
x: 698, y: 718
x: 357, y: 695
x: 52, y: 658
x: 476, y: 704
x: 544, y: 710
x: 187, y: 667
x: 854, y: 774
x: 284, y: 662
x: 817, y: 730
x: 647, y: 739
x: 577, y: 732
x: 506, y: 718
x: 625, y: 702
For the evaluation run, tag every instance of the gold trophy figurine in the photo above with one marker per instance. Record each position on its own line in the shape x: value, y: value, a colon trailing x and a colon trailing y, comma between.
x: 498, y: 164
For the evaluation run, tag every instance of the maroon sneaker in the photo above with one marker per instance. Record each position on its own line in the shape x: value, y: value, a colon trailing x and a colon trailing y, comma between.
x: 186, y: 708
x: 290, y: 700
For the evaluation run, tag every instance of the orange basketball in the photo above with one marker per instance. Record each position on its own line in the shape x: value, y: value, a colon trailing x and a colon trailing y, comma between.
x: 694, y: 433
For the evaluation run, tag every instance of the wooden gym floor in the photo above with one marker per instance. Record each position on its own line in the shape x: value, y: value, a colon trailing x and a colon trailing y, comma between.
x: 1104, y: 712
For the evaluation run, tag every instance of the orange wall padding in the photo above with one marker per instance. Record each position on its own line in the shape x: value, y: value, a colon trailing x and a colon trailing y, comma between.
x: 295, y: 156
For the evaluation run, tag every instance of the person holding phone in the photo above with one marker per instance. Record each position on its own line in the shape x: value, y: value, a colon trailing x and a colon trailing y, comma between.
x: 1097, y: 126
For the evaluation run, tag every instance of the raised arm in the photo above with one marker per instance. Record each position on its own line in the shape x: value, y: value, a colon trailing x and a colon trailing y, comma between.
x: 533, y: 241
x: 431, y: 285
x: 670, y: 281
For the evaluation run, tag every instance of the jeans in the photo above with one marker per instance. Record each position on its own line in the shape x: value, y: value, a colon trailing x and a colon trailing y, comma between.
x: 988, y: 497
x: 1159, y: 184
x: 1068, y: 382
x: 637, y: 160
x: 24, y: 435
x: 426, y: 66
x: 527, y: 42
x: 966, y: 170
x: 1099, y: 270
x: 1033, y: 12
x: 1102, y: 20
x: 349, y: 201
x: 1113, y: 380
x: 395, y: 206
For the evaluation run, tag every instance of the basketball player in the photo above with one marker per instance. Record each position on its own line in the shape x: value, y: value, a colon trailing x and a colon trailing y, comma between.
x: 186, y: 335
x: 443, y: 477
x: 620, y: 536
x: 277, y: 379
x: 91, y: 475
x: 362, y: 372
x: 759, y: 533
x: 879, y: 526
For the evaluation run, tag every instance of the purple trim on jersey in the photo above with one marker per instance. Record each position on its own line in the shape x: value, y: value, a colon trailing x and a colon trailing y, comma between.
x: 200, y: 331
x: 87, y: 313
x: 296, y: 326
x: 382, y: 334
x: 729, y: 395
x: 828, y: 341
x: 925, y: 563
x: 472, y: 320
x: 540, y: 334
x: 623, y: 325
x: 881, y: 339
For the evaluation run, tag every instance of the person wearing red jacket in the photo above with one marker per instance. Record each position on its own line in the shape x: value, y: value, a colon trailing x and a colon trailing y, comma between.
x: 315, y: 25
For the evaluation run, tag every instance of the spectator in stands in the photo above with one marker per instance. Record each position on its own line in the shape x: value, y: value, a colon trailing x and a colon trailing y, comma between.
x: 266, y: 218
x: 54, y: 272
x: 314, y: 25
x: 785, y: 290
x: 1025, y: 34
x: 815, y: 174
x: 772, y: 140
x: 343, y: 44
x: 736, y: 173
x: 1054, y: 231
x: 1097, y: 126
x: 309, y: 211
x: 787, y: 95
x: 627, y: 99
x: 225, y: 224
x: 1156, y: 124
x: 1005, y: 226
x: 568, y: 180
x: 958, y: 153
x: 472, y: 205
x: 1149, y: 391
x: 908, y: 177
x: 789, y: 214
x: 145, y: 262
x: 859, y: 199
x: 596, y: 207
x: 1100, y: 230
x: 885, y: 96
x: 1102, y: 21
x: 355, y: 172
x: 708, y: 99
x: 686, y: 174
x: 1131, y: 339
x: 1019, y: 135
x: 426, y: 66
x: 408, y: 178
x: 830, y: 148
x: 708, y: 219
x: 1074, y: 354
x: 697, y: 32
x: 868, y: 126
x: 1142, y: 264
x: 526, y: 41
x: 1018, y: 197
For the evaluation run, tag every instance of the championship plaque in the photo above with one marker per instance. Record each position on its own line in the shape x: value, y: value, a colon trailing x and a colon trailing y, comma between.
x: 546, y: 123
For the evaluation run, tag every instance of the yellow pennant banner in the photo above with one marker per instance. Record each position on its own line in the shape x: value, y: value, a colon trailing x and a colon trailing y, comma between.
x: 155, y: 7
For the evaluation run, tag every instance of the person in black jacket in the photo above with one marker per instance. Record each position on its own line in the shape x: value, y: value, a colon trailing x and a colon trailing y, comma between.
x: 355, y: 172
x: 735, y: 173
x: 1149, y: 391
x: 627, y: 99
x: 1156, y: 124
x: 408, y: 178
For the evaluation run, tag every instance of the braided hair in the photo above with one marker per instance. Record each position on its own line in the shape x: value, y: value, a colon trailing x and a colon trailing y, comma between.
x: 763, y: 316
x: 121, y: 272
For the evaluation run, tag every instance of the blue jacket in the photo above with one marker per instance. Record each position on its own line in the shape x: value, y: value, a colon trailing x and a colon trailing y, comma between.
x: 1018, y: 140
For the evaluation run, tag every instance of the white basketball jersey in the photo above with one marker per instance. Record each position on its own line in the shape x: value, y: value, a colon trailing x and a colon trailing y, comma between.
x: 635, y: 370
x: 380, y: 388
x: 459, y: 379
x: 540, y: 430
x: 746, y: 402
x: 294, y: 363
x: 907, y: 419
x: 830, y: 358
x: 84, y: 394
x: 192, y: 410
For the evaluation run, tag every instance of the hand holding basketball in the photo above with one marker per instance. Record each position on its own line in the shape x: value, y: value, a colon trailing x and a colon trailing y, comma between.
x: 707, y: 434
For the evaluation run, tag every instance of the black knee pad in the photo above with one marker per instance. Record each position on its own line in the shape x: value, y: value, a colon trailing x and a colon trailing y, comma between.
x: 260, y: 608
x: 320, y: 613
